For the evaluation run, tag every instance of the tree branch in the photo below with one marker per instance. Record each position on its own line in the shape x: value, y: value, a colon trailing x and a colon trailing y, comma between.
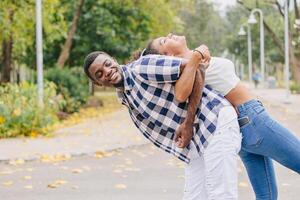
x: 297, y: 14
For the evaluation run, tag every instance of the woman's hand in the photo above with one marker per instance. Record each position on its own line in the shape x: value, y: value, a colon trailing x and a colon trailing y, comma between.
x: 205, y: 55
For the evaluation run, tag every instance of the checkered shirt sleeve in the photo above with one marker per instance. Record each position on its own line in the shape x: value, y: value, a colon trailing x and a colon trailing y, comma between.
x: 158, y: 68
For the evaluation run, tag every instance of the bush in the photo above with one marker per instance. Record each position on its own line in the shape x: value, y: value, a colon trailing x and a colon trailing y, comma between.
x: 295, y: 88
x: 19, y: 111
x: 72, y: 85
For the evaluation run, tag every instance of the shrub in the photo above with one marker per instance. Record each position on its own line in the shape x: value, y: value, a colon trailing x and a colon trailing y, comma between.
x: 19, y: 111
x: 295, y: 88
x: 72, y: 85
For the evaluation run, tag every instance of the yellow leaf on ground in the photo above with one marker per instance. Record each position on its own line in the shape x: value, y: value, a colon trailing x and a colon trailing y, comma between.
x: 76, y: 171
x: 28, y: 187
x: 56, y: 183
x: 99, y: 154
x: 5, y: 172
x: 7, y: 183
x: 17, y: 162
x: 243, y: 184
x: 27, y: 177
x: 120, y: 186
x: 29, y: 169
x: 75, y: 187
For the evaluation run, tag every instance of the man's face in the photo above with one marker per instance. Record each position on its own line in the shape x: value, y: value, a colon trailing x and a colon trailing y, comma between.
x: 105, y: 71
x: 170, y: 45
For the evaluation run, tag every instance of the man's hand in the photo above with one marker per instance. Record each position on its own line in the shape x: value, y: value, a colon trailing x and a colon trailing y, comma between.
x: 184, y: 134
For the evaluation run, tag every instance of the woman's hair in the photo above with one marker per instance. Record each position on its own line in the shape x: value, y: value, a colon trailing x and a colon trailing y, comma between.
x: 148, y: 50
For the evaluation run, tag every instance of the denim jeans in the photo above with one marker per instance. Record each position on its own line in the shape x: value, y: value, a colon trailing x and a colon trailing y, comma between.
x: 265, y: 139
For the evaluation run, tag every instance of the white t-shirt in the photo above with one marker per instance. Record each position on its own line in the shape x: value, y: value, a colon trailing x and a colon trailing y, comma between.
x: 220, y: 75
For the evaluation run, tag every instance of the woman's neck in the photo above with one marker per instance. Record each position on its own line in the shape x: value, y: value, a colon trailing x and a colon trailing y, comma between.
x: 187, y: 54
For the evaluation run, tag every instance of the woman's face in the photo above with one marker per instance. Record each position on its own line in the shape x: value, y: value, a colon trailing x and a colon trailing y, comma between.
x: 171, y: 45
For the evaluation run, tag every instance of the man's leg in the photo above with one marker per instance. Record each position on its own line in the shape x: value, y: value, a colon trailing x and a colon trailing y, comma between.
x: 194, y: 188
x: 220, y: 159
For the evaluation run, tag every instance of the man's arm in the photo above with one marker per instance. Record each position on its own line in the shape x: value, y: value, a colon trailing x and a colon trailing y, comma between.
x: 184, y: 133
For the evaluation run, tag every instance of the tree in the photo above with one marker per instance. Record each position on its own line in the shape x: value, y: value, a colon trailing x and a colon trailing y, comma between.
x: 65, y: 52
x: 274, y: 35
x: 17, y: 29
x: 203, y: 25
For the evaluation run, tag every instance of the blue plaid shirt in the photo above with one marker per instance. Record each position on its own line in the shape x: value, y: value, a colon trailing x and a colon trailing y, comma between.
x: 149, y: 95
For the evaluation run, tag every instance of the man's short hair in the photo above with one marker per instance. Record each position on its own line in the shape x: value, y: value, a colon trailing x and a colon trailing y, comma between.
x: 89, y: 59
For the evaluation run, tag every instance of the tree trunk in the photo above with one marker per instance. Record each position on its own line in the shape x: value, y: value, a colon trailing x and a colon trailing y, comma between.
x: 7, y: 46
x: 65, y: 52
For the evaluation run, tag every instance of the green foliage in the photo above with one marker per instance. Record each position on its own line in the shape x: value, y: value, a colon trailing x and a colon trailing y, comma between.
x: 72, y: 85
x: 112, y: 26
x: 21, y: 26
x: 203, y: 25
x: 19, y: 112
x: 295, y: 88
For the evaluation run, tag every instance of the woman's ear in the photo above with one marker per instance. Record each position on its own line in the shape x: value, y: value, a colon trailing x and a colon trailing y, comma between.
x: 96, y: 83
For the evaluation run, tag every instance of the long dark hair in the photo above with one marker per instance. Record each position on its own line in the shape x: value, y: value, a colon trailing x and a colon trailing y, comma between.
x: 148, y: 50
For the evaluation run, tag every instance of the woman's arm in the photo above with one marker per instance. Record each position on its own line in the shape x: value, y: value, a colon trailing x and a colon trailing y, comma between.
x: 184, y: 84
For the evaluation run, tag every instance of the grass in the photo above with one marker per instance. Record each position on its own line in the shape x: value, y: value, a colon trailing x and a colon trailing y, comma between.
x: 110, y: 104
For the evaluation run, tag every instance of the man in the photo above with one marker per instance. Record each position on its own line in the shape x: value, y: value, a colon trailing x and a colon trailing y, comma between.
x: 147, y: 87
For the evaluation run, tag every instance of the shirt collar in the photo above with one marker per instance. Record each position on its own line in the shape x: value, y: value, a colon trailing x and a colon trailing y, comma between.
x: 128, y: 83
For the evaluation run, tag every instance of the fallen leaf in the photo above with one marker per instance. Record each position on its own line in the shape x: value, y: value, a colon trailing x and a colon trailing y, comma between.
x: 243, y: 184
x: 5, y: 172
x: 118, y: 171
x: 75, y: 187
x: 77, y: 171
x: 28, y: 187
x: 27, y: 177
x: 56, y: 183
x: 99, y: 154
x: 16, y: 162
x: 7, y: 183
x: 120, y: 186
x: 29, y: 169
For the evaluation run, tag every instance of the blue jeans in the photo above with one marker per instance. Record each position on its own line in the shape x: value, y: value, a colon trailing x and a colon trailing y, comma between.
x: 265, y: 139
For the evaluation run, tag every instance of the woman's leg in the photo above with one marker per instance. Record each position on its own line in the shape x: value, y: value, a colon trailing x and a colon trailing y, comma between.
x: 265, y: 137
x: 261, y: 174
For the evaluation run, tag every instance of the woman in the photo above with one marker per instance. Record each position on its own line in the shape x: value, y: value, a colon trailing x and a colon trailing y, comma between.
x: 264, y: 139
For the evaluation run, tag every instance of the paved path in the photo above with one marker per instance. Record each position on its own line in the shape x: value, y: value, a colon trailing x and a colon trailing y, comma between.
x: 117, y: 131
x: 137, y: 172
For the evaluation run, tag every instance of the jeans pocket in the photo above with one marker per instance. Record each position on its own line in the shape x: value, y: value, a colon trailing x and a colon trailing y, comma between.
x: 251, y: 138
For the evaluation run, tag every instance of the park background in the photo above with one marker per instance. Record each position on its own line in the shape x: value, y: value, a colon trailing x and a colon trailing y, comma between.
x: 73, y: 28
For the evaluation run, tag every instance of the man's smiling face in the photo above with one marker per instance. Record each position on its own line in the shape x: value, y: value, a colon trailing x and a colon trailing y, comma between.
x: 105, y: 71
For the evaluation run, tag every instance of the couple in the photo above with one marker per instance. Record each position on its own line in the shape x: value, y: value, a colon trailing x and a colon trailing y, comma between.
x: 155, y: 88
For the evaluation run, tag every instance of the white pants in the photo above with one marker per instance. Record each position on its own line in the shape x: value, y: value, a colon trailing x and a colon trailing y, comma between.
x: 213, y: 176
